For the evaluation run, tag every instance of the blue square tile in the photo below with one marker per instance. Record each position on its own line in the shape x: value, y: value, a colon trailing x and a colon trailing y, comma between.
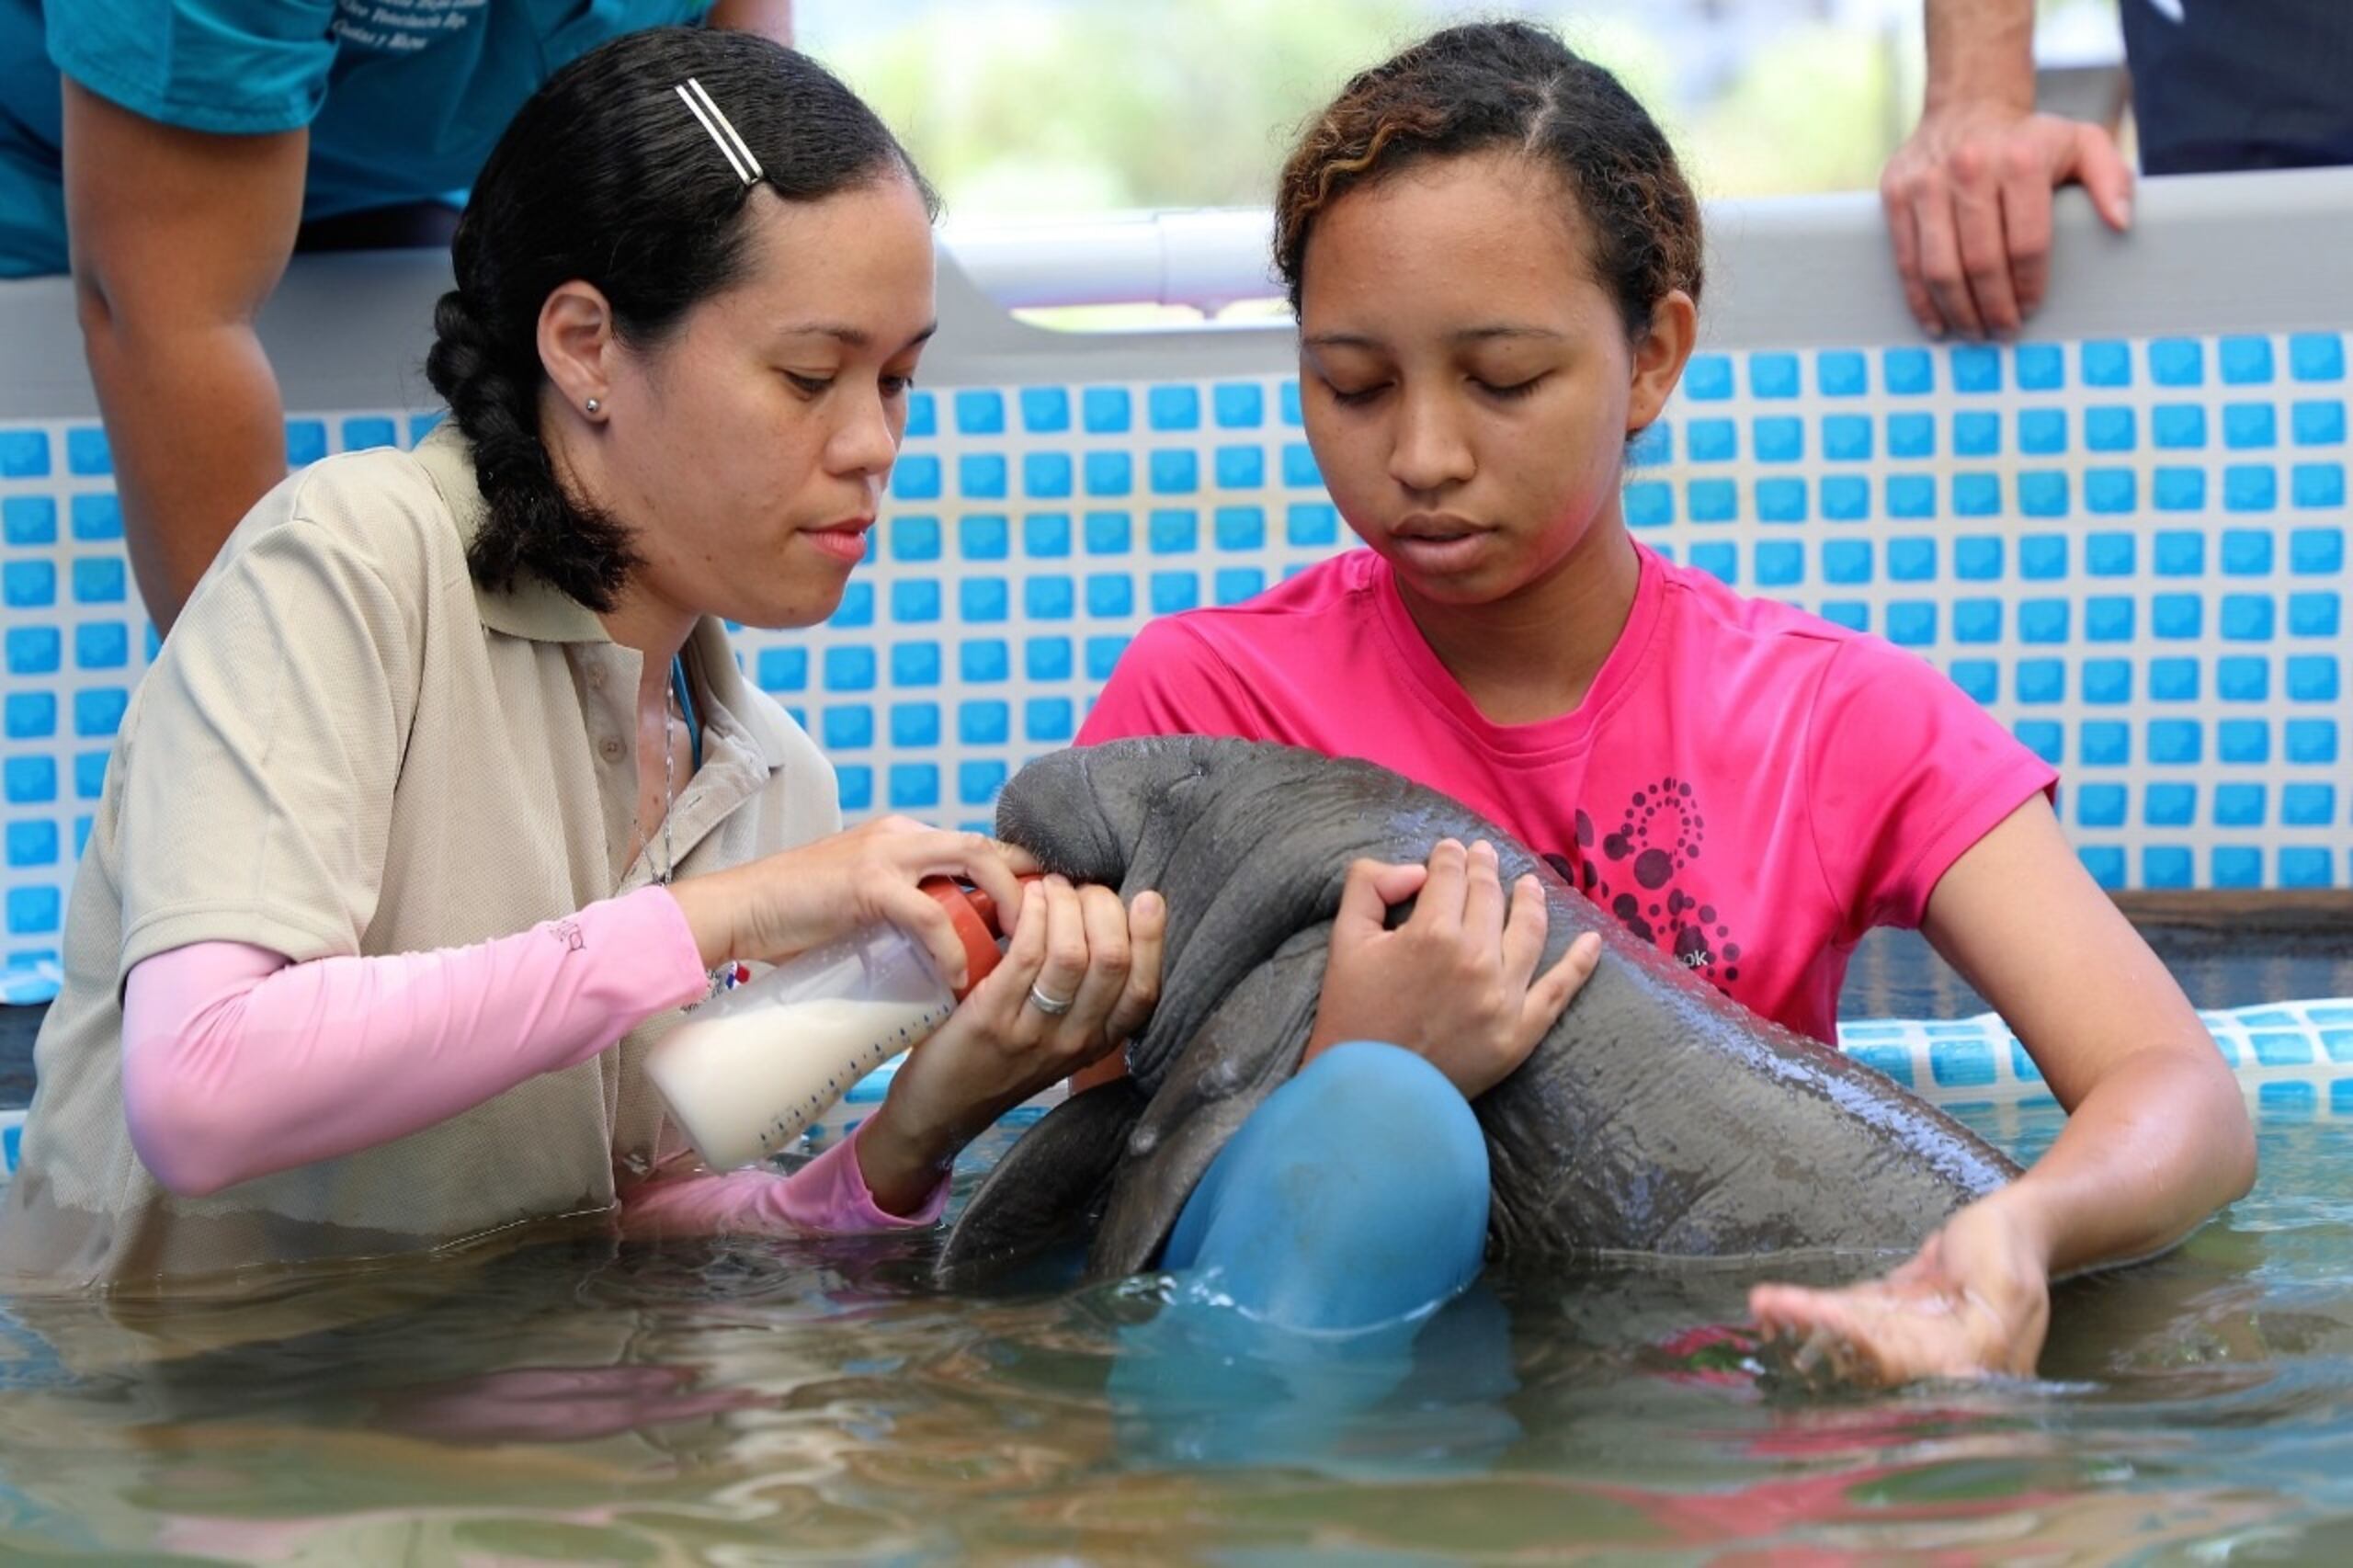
x: 2178, y: 362
x: 1911, y: 436
x: 2180, y: 489
x: 2169, y: 805
x: 914, y: 724
x: 1238, y: 406
x: 984, y: 536
x: 2246, y: 362
x: 2107, y: 682
x: 2165, y: 867
x: 916, y: 478
x: 2248, y: 426
x: 1773, y: 375
x: 1712, y: 500
x: 2043, y: 621
x: 306, y: 442
x: 2108, y: 617
x: 34, y: 649
x: 1707, y: 377
x: 915, y: 664
x: 2043, y: 738
x: 782, y: 669
x: 1975, y: 494
x: 1292, y: 413
x: 1111, y: 595
x: 86, y: 453
x: 2042, y: 367
x: 1976, y: 435
x: 2111, y: 429
x: 1108, y: 533
x: 1651, y: 447
x: 1232, y: 584
x: 2173, y: 680
x: 1845, y: 437
x: 2042, y: 432
x: 2180, y: 552
x: 1779, y: 563
x: 28, y: 519
x: 2239, y: 804
x: 2243, y: 740
x: 2243, y: 679
x: 1979, y: 678
x: 982, y: 475
x: 856, y: 608
x: 32, y: 843
x: 2250, y: 487
x: 1300, y: 472
x: 980, y: 412
x: 2105, y: 864
x: 2112, y: 492
x: 1109, y: 474
x: 857, y: 785
x: 2043, y: 494
x: 1977, y: 620
x: 2311, y: 741
x: 1174, y: 591
x: 2179, y: 426
x: 2107, y: 364
x: 2042, y: 557
x: 985, y: 660
x: 2314, y: 615
x: 2305, y: 867
x: 1311, y: 524
x: 2108, y: 742
x: 1046, y: 475
x: 1841, y: 372
x: 2246, y: 617
x: 1048, y: 719
x: 1910, y: 558
x: 914, y: 538
x: 1719, y: 560
x: 1977, y: 557
x: 1846, y: 499
x: 1781, y: 500
x: 1174, y: 408
x: 97, y: 516
x: 1851, y: 614
x: 28, y: 585
x: 2041, y: 680
x: 101, y: 645
x: 983, y: 598
x: 2175, y: 742
x: 1104, y: 411
x: 1713, y: 441
x: 1912, y: 495
x: 1650, y: 503
x: 2240, y: 866
x: 916, y: 600
x: 1048, y: 658
x: 2318, y: 424
x: 1103, y: 655
x: 2246, y: 552
x: 914, y: 785
x: 1908, y: 372
x: 97, y: 710
x: 1046, y: 534
x: 1779, y: 439
x: 978, y: 782
x: 1045, y: 411
x: 1049, y: 598
x: 2318, y: 485
x: 2316, y: 357
x: 2177, y: 617
x: 849, y: 669
x: 1241, y: 468
x: 33, y: 910
x: 2110, y: 554
x: 1240, y: 528
x: 31, y: 715
x: 2100, y: 805
x: 1174, y: 532
x: 2312, y: 678
x: 2308, y: 805
x: 1976, y: 367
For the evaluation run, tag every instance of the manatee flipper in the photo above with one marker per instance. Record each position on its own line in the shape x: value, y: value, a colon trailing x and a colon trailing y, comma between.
x: 1049, y: 1188
x: 1249, y: 1047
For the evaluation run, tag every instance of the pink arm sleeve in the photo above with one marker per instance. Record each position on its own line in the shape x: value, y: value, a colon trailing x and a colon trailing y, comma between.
x: 827, y: 1196
x: 237, y: 1063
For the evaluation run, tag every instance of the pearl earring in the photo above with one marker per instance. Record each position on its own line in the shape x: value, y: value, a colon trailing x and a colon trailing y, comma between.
x: 594, y: 406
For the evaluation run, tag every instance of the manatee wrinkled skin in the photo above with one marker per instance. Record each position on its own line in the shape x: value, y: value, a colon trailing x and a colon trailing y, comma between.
x: 1656, y: 1118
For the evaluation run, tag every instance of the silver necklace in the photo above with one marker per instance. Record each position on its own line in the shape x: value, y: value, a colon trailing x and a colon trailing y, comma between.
x: 669, y: 786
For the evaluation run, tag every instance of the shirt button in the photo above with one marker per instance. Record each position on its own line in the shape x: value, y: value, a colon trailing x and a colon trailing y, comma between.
x: 610, y: 748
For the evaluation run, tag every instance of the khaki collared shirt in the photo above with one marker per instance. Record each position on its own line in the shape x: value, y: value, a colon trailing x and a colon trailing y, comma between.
x: 347, y: 747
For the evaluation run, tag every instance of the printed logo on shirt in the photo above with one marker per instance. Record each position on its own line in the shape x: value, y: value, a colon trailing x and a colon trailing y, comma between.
x: 1643, y: 876
x: 400, y: 26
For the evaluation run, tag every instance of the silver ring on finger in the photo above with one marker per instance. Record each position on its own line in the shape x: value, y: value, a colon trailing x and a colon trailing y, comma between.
x: 1052, y: 1006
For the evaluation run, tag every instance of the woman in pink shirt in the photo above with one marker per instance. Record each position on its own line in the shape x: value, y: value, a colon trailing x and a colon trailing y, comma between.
x: 1495, y: 263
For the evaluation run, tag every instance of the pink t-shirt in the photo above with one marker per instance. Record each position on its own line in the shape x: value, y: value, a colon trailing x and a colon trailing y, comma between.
x: 1746, y: 786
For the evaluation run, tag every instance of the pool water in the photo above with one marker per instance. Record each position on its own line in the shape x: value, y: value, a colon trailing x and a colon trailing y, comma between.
x: 581, y: 1401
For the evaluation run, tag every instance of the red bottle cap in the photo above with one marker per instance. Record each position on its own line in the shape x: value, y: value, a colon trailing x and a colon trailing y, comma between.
x: 973, y: 915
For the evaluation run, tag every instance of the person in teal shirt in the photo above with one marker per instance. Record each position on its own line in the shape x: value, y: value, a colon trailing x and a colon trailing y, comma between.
x: 189, y: 145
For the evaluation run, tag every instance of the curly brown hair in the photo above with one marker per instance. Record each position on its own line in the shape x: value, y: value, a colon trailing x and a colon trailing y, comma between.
x: 1507, y: 84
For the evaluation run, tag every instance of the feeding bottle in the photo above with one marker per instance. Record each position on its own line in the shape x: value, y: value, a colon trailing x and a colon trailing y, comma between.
x: 751, y: 1069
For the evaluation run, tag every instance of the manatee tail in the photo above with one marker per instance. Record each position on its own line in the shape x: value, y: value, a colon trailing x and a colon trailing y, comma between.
x: 1048, y: 1190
